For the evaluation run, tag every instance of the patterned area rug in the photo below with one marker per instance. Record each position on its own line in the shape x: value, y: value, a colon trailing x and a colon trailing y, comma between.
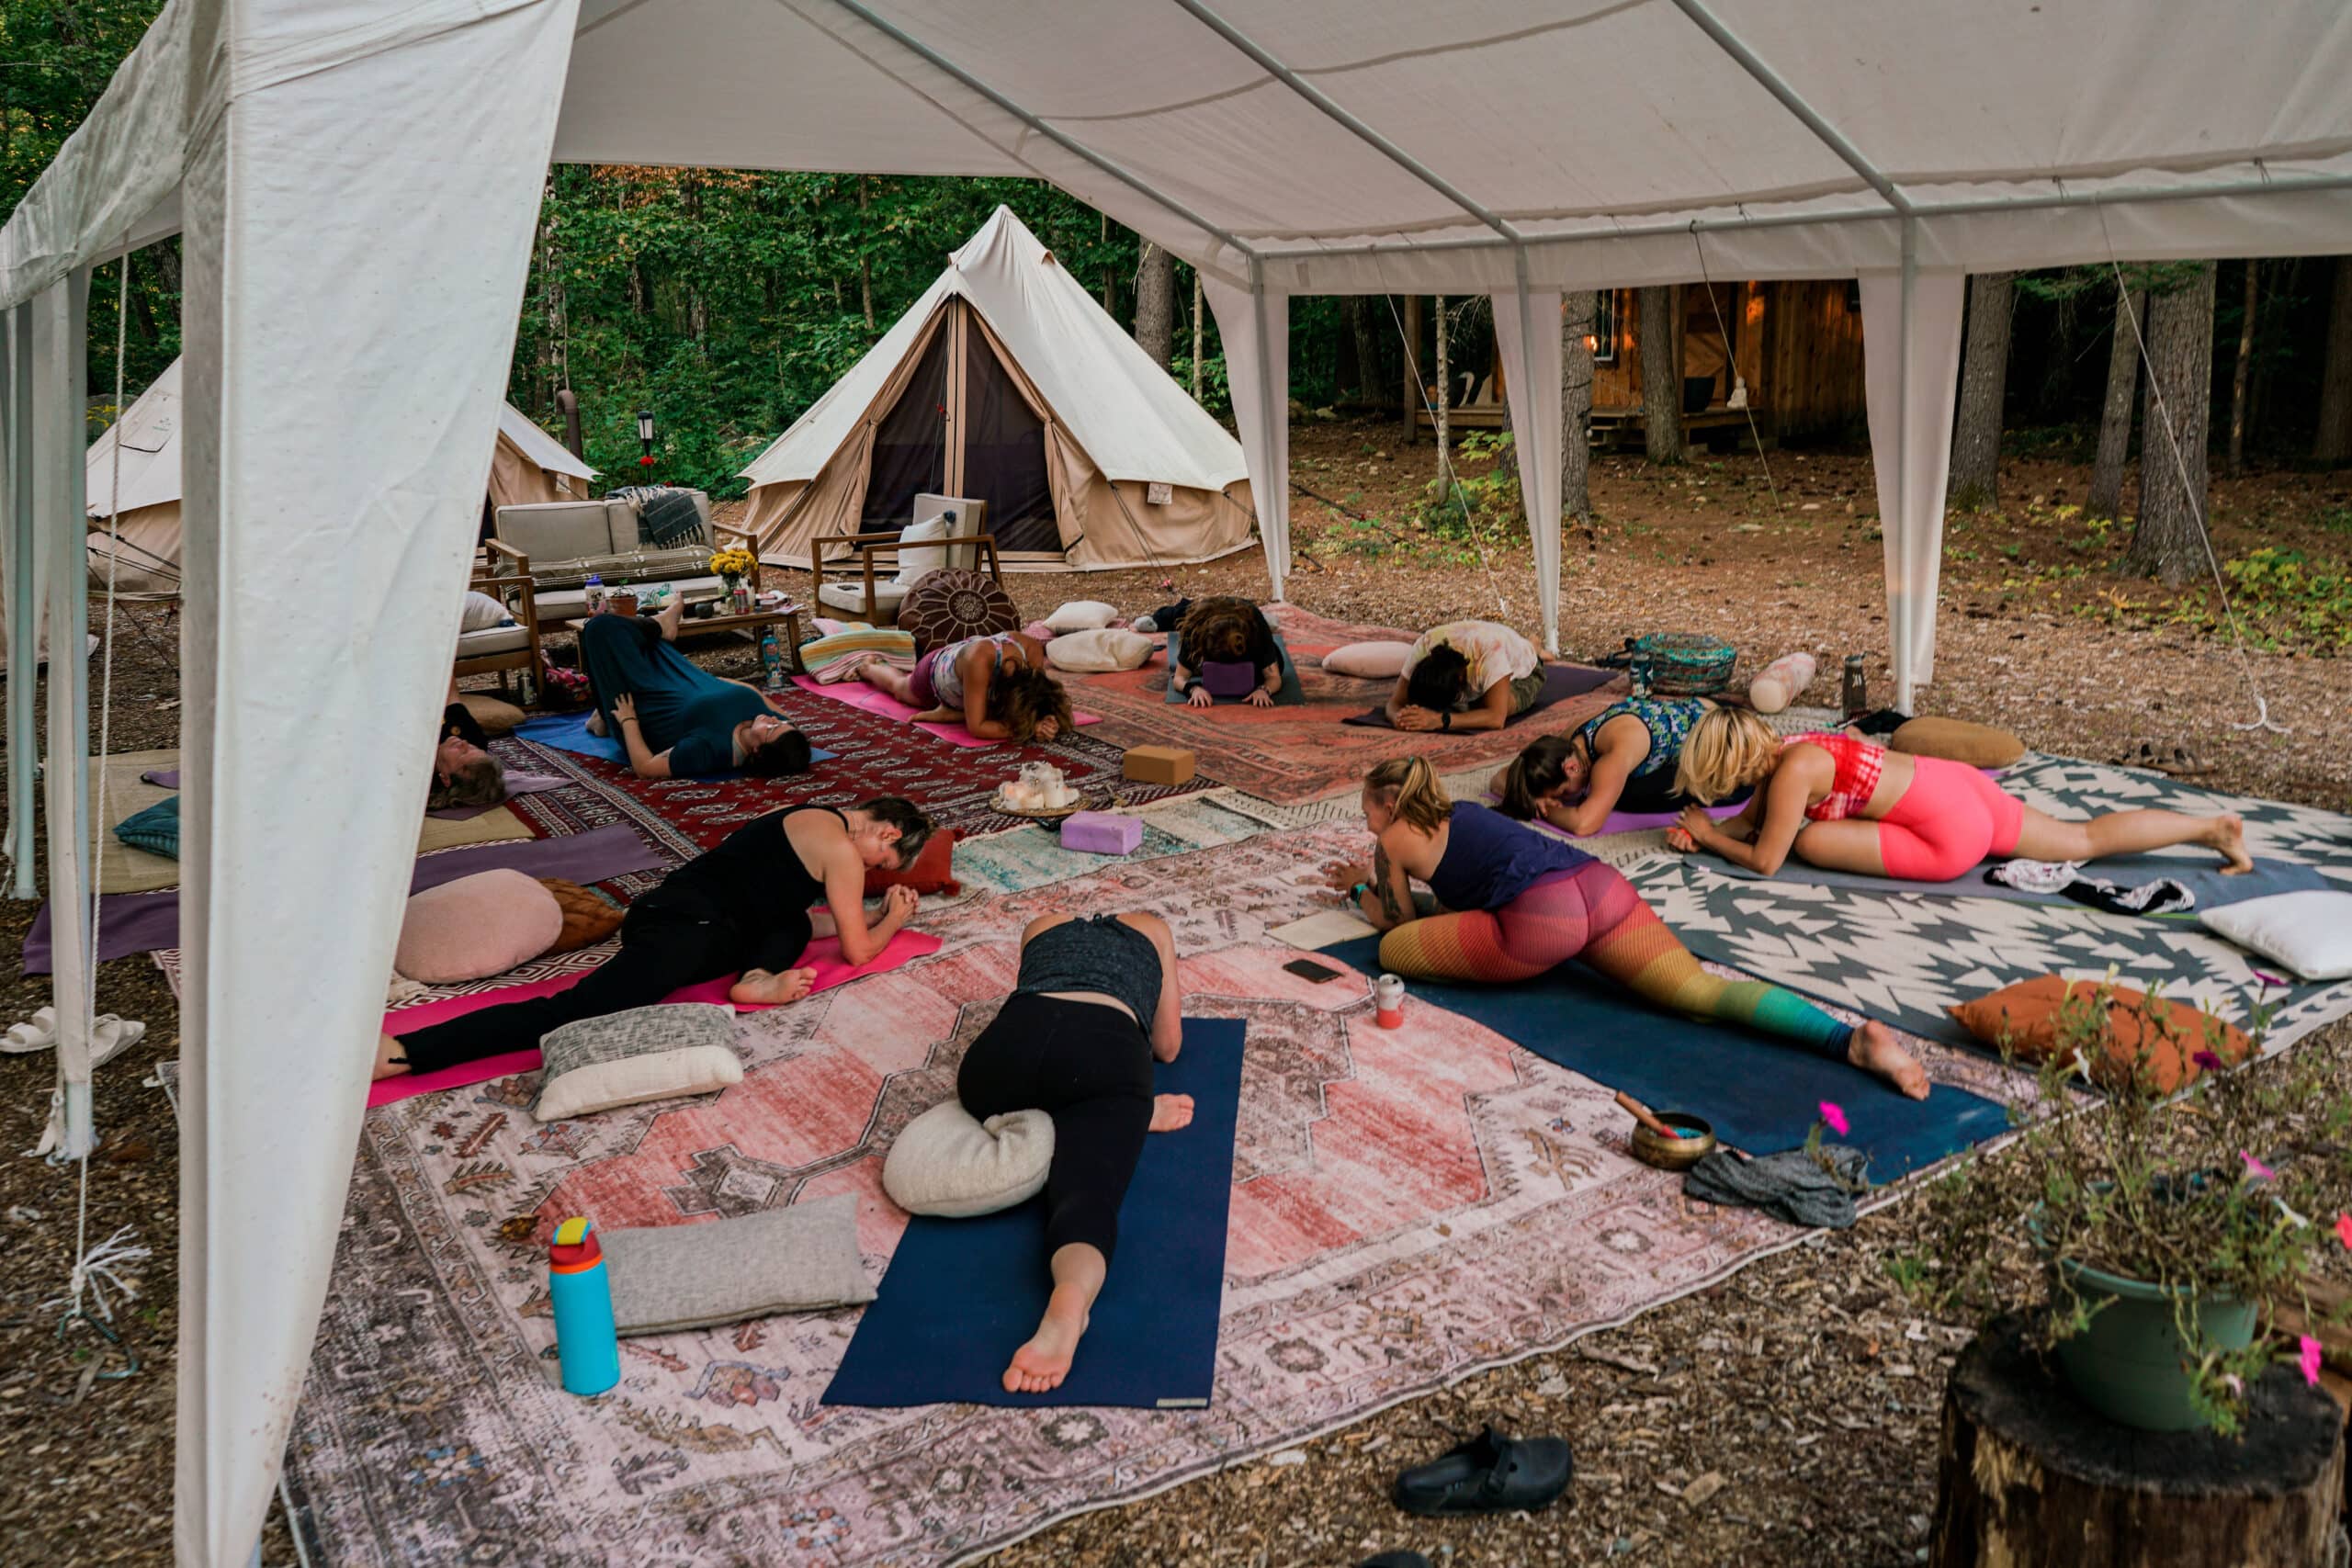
x: 1904, y: 958
x: 1292, y: 755
x: 875, y: 756
x: 1409, y: 1206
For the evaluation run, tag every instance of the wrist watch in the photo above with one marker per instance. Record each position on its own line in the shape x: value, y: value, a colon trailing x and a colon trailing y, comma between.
x: 1358, y: 891
x: 1445, y: 719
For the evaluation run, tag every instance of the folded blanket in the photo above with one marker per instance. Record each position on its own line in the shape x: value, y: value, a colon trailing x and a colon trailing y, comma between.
x: 839, y: 655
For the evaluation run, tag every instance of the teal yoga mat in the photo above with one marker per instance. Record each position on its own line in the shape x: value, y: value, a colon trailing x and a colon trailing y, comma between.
x: 1291, y: 696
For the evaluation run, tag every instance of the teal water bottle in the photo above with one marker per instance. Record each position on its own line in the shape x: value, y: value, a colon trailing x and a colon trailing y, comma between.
x: 772, y: 660
x: 587, y: 1345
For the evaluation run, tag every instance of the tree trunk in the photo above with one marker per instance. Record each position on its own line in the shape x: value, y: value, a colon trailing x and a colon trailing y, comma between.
x: 1196, y: 335
x: 1984, y: 378
x: 2031, y: 1477
x: 865, y: 263
x: 1445, y: 392
x: 2115, y: 416
x: 1575, y: 404
x: 1367, y: 350
x: 2333, y: 444
x: 1413, y: 376
x: 2168, y: 541
x: 1661, y: 374
x: 1110, y: 278
x: 1156, y: 305
x: 2239, y: 379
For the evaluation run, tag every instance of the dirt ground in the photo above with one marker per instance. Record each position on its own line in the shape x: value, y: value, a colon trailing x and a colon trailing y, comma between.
x: 1787, y: 1415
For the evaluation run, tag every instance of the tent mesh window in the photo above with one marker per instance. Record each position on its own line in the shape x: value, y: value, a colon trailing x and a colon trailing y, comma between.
x: 909, y: 443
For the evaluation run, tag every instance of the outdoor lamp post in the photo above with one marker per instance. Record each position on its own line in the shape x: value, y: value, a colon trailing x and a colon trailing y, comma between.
x: 645, y: 435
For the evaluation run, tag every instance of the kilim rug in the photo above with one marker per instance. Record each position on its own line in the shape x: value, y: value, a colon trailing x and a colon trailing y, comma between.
x: 1904, y: 958
x: 1290, y: 755
x: 1409, y: 1206
x: 875, y: 756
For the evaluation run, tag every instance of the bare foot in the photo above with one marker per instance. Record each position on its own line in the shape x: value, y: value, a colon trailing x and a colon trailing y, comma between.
x: 760, y: 989
x: 1874, y: 1051
x: 2228, y: 836
x: 1169, y: 1112
x: 668, y: 618
x: 595, y: 724
x: 387, y: 1048
x: 1043, y: 1362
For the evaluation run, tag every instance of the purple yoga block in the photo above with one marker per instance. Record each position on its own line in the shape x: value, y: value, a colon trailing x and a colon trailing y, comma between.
x: 1103, y: 833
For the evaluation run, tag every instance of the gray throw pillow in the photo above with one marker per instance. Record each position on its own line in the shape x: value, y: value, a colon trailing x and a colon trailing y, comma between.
x: 800, y: 1258
x: 651, y: 1053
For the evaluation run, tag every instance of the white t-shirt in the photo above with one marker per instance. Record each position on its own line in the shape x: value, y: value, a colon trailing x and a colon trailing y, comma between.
x: 1495, y: 652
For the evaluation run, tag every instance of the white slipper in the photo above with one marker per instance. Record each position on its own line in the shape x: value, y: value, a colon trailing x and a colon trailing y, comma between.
x: 37, y: 1032
x: 111, y: 1036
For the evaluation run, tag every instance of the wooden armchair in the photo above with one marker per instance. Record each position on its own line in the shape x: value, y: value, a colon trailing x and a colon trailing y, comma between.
x: 503, y: 573
x: 848, y: 584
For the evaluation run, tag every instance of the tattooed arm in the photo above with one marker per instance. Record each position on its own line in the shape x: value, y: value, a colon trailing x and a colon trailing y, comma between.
x: 1388, y: 902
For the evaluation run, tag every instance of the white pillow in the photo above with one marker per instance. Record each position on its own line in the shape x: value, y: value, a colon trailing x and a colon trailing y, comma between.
x: 914, y: 564
x: 1369, y: 661
x: 475, y: 927
x: 2309, y: 933
x: 1082, y: 615
x: 1096, y: 652
x: 483, y: 613
x: 650, y: 1052
x: 948, y: 1162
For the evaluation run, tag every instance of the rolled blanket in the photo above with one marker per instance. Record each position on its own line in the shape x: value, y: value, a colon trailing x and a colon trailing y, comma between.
x: 839, y: 656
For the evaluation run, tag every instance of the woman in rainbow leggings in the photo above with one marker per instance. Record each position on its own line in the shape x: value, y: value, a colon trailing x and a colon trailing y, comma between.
x: 1846, y: 805
x: 1521, y: 903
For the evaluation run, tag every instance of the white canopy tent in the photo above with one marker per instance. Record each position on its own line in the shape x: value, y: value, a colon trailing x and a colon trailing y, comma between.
x: 356, y: 185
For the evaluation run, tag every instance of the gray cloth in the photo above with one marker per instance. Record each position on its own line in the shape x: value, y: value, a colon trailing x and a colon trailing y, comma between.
x: 1790, y: 1185
x: 802, y: 1257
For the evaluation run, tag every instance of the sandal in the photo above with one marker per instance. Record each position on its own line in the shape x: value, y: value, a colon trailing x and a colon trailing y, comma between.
x: 37, y: 1032
x: 1489, y: 1474
x: 111, y: 1036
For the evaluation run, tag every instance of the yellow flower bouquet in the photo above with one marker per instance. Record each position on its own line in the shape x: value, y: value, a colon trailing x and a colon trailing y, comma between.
x: 732, y: 563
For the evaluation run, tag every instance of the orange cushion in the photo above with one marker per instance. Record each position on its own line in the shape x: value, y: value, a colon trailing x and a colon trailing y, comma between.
x: 934, y: 871
x: 2159, y: 1051
x: 588, y: 916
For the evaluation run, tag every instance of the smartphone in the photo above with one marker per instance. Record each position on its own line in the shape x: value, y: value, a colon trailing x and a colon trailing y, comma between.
x: 1308, y: 969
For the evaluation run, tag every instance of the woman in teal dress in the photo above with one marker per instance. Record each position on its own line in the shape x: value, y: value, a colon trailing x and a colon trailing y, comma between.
x: 1622, y: 759
x: 677, y: 720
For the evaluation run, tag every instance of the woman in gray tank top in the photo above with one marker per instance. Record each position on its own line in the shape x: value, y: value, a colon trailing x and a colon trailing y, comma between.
x: 1096, y: 1004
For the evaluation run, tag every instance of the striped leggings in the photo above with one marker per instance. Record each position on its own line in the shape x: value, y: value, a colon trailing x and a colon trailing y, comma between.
x: 1592, y: 913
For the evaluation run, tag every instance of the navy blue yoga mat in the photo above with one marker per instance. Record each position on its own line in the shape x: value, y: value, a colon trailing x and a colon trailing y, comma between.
x: 963, y: 1295
x: 1763, y: 1094
x: 569, y: 732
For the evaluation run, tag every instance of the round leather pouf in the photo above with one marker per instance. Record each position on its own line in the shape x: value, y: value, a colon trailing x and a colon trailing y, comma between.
x: 952, y: 603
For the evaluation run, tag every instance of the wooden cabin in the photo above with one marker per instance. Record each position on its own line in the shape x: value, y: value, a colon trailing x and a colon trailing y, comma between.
x: 1796, y: 347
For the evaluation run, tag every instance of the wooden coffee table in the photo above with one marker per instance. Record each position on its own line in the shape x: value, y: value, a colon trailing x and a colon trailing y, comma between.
x: 751, y: 625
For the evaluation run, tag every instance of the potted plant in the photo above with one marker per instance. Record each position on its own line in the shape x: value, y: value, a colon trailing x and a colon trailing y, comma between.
x: 622, y: 597
x: 2164, y: 1232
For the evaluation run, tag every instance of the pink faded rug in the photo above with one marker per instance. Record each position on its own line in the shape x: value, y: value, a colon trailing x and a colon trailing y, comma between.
x: 1409, y: 1205
x: 858, y: 694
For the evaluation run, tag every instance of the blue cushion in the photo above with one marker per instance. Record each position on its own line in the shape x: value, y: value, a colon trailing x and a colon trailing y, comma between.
x: 156, y: 829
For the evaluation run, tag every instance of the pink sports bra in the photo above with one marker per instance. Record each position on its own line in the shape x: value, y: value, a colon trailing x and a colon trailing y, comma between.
x: 1858, y: 763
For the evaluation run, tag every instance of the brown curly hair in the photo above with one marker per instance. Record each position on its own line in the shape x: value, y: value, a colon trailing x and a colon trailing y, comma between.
x: 1222, y: 628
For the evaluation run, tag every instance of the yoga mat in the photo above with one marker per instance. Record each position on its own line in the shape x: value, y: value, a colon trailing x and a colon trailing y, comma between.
x: 2201, y: 874
x: 962, y: 1295
x: 874, y: 700
x: 1762, y: 1093
x: 1291, y: 696
x: 516, y: 784
x: 824, y: 956
x: 569, y: 732
x: 1561, y: 682
x: 162, y: 778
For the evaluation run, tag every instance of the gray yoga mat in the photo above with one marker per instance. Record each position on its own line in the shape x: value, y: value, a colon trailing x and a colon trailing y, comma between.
x: 2202, y: 876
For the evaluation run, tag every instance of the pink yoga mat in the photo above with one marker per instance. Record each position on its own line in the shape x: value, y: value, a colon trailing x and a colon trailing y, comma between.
x: 858, y: 694
x: 824, y: 956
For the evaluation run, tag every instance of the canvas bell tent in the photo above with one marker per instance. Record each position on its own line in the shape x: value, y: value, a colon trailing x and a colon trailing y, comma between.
x: 143, y: 493
x: 357, y: 211
x: 1008, y: 383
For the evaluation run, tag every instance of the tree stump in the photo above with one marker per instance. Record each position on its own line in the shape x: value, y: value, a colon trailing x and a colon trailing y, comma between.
x: 2031, y: 1477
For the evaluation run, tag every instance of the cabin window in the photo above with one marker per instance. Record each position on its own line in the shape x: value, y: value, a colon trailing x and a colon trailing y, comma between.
x: 1604, y: 327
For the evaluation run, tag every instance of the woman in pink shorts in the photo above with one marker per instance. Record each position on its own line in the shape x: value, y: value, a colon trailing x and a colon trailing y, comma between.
x: 1848, y: 804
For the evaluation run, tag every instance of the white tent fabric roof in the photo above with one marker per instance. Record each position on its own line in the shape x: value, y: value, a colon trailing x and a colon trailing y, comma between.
x: 1122, y: 410
x: 359, y: 214
x: 538, y: 445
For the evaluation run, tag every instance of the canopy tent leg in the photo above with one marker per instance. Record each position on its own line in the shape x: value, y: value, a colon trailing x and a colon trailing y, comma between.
x: 1532, y: 385
x: 56, y: 459
x: 1911, y: 379
x: 23, y: 599
x: 1255, y: 328
x: 317, y: 638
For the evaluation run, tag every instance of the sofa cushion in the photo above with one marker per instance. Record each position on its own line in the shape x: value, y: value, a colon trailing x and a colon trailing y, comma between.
x: 476, y: 926
x: 849, y: 596
x: 552, y: 531
x: 571, y: 603
x: 917, y: 564
x: 496, y: 640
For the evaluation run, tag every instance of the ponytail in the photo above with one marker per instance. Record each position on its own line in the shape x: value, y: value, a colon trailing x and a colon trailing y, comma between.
x: 1409, y: 785
x: 1535, y: 772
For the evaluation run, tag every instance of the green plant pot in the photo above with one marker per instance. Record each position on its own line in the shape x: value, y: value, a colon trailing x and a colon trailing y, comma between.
x: 2130, y: 1364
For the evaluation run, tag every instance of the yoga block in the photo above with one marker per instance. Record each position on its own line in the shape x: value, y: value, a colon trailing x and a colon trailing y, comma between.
x: 1103, y: 832
x: 1158, y: 764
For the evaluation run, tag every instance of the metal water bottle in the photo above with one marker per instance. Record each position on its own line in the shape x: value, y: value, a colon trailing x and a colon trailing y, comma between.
x: 1857, y: 696
x: 772, y: 660
x: 587, y: 1345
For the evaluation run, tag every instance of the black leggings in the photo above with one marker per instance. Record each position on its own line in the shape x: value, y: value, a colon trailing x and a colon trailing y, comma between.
x: 1089, y: 1067
x: 664, y: 946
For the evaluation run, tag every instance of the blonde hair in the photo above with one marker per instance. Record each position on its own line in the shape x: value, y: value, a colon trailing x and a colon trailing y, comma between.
x: 1408, y: 786
x: 1727, y: 748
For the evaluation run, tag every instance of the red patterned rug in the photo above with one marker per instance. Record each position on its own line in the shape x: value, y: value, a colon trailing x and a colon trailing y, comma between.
x: 1292, y: 755
x: 873, y: 756
x: 1409, y: 1205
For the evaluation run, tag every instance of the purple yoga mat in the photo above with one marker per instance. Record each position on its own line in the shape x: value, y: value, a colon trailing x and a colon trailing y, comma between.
x: 162, y: 778
x: 141, y: 922
x: 516, y: 784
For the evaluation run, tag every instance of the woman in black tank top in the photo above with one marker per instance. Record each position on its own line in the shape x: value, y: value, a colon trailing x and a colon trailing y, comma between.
x: 742, y: 909
x: 1097, y: 1001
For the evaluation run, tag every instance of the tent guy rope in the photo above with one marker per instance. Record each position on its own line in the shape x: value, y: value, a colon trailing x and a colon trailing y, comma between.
x: 1451, y: 484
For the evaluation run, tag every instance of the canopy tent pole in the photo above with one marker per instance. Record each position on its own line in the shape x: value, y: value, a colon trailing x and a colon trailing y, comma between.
x: 1532, y: 368
x: 24, y: 594
x: 317, y: 636
x: 1911, y: 392
x: 1255, y: 328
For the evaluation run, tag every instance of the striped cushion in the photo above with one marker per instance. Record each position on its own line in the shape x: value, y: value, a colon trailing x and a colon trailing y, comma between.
x: 837, y: 656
